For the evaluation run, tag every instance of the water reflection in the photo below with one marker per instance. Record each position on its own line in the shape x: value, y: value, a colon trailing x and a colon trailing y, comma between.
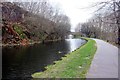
x: 73, y: 43
x: 21, y: 62
x: 70, y: 36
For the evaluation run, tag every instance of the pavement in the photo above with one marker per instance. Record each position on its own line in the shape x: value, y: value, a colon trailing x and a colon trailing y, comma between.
x: 105, y: 61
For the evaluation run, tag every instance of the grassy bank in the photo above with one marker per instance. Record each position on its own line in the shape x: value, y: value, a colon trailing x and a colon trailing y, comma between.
x: 74, y: 65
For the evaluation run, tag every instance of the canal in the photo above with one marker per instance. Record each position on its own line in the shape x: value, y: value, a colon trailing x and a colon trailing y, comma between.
x: 20, y: 62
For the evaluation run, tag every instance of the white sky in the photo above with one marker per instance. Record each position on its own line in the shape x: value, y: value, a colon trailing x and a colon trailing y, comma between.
x: 74, y: 9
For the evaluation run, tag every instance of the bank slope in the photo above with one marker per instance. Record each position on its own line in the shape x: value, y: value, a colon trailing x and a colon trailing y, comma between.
x: 74, y: 65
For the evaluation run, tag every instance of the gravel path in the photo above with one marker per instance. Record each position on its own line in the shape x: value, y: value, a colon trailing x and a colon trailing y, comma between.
x: 105, y: 61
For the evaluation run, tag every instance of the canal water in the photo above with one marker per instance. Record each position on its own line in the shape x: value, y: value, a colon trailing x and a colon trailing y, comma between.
x: 20, y: 62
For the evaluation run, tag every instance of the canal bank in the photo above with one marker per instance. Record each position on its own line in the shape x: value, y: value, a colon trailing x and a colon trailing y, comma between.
x: 29, y: 43
x: 74, y: 65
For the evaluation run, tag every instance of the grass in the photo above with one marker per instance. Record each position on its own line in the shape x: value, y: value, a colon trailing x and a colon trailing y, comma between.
x: 74, y: 65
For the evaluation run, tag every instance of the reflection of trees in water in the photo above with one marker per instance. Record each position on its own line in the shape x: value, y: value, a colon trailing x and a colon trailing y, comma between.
x: 74, y: 43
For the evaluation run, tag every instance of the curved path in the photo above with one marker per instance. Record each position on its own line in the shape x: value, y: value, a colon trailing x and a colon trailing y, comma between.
x: 105, y: 61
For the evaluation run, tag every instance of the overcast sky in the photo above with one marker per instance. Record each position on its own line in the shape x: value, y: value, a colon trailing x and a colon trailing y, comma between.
x: 74, y: 9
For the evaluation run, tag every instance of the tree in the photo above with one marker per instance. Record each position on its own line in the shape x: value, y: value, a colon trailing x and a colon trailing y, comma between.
x: 105, y: 24
x: 49, y: 19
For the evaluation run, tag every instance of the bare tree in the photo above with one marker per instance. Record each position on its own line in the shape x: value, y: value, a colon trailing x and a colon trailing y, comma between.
x: 106, y: 19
